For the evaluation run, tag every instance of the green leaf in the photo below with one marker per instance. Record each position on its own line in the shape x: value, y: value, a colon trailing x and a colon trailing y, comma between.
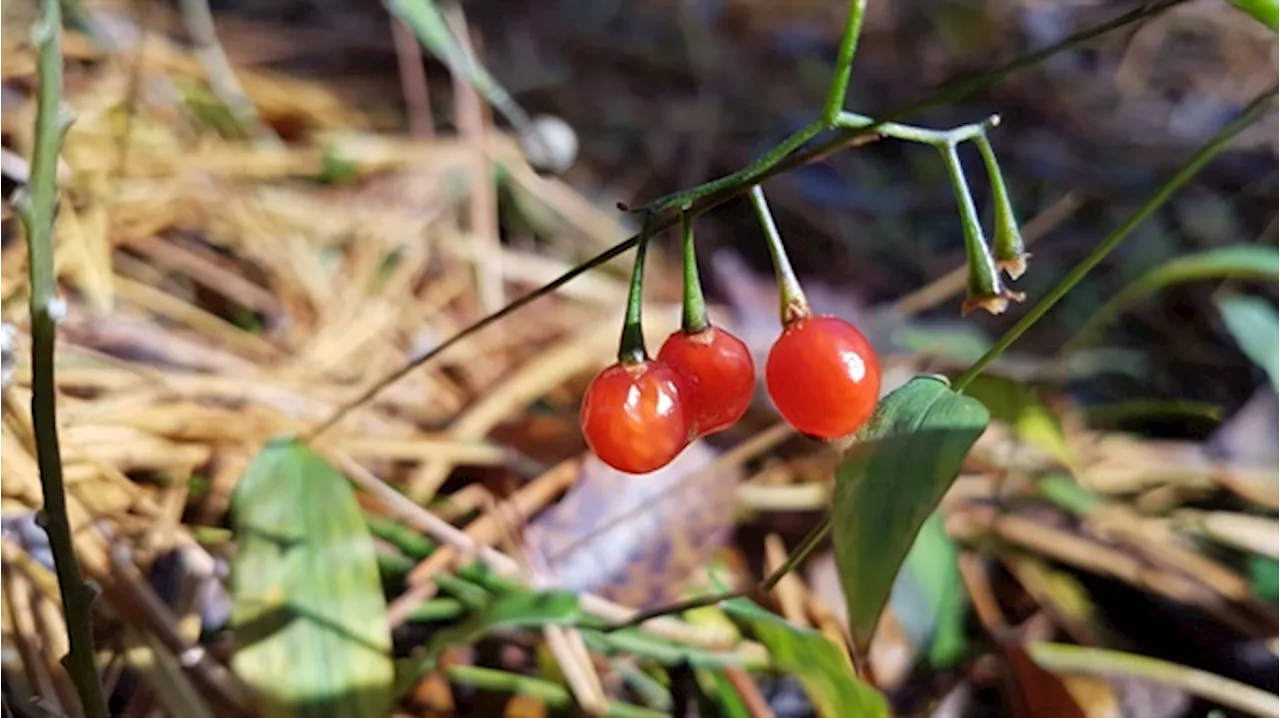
x: 814, y: 660
x: 308, y: 613
x: 1256, y: 328
x: 1264, y: 575
x: 424, y: 18
x: 517, y: 610
x: 890, y: 481
x: 1264, y: 11
x: 931, y: 567
x: 1019, y: 405
x: 1240, y: 261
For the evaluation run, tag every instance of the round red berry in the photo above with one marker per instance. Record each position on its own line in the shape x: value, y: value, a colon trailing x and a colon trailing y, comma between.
x: 823, y: 376
x: 720, y: 376
x: 634, y: 417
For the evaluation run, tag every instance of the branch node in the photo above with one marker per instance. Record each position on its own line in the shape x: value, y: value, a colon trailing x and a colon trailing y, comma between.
x: 64, y: 119
x: 56, y: 309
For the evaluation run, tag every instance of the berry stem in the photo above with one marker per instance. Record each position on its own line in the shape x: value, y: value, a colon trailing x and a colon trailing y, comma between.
x: 794, y: 305
x: 709, y: 195
x: 985, y: 290
x: 910, y: 133
x: 1011, y: 253
x: 631, y: 349
x: 1260, y: 106
x: 695, y: 304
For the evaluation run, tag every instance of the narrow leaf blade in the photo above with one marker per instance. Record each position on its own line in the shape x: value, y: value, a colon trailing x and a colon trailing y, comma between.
x: 906, y: 458
x: 309, y: 615
x: 814, y: 660
x: 1256, y: 328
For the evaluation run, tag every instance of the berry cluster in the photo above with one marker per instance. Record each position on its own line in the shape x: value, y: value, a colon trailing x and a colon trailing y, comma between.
x: 640, y: 413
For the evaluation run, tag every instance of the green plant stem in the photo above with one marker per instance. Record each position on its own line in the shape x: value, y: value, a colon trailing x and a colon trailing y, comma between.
x: 794, y: 305
x: 631, y: 349
x: 705, y: 197
x: 910, y: 133
x: 759, y: 169
x: 984, y: 285
x: 962, y: 87
x: 37, y: 207
x: 695, y: 303
x: 1061, y: 658
x: 844, y: 62
x: 811, y: 541
x: 549, y: 693
x: 1010, y: 251
x: 1202, y: 157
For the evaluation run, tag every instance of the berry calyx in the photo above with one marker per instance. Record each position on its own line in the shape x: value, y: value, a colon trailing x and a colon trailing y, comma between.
x: 719, y: 374
x: 634, y: 417
x: 824, y: 376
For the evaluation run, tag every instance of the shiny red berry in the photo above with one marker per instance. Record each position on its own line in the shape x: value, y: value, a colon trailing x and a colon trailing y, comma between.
x: 823, y: 376
x: 634, y: 417
x: 720, y: 376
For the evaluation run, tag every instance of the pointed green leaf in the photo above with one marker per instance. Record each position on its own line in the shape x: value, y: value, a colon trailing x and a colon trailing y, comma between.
x: 309, y: 616
x: 932, y: 569
x: 890, y: 481
x: 1254, y: 324
x: 813, y: 659
x: 1264, y: 11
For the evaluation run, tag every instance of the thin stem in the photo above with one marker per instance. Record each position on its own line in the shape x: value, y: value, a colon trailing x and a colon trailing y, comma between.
x: 760, y: 169
x: 710, y: 195
x: 911, y: 133
x: 810, y: 542
x: 794, y: 305
x: 695, y: 304
x: 985, y: 290
x: 844, y: 62
x: 1202, y: 157
x: 37, y: 208
x: 631, y: 349
x: 338, y: 414
x: 960, y: 88
x: 752, y: 173
x: 1010, y: 251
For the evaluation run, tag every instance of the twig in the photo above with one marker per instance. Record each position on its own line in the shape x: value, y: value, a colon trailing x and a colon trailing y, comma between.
x: 1062, y: 658
x: 425, y: 21
x: 36, y: 206
x: 1190, y: 169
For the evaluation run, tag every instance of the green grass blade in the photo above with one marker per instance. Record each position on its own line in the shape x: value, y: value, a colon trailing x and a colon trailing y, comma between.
x: 309, y: 616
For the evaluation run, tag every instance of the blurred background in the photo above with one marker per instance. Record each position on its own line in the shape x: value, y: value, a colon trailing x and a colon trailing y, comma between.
x: 269, y: 206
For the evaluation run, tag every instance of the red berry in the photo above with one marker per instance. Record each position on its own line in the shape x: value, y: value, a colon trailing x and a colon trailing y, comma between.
x: 720, y: 376
x: 823, y: 376
x: 634, y: 417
